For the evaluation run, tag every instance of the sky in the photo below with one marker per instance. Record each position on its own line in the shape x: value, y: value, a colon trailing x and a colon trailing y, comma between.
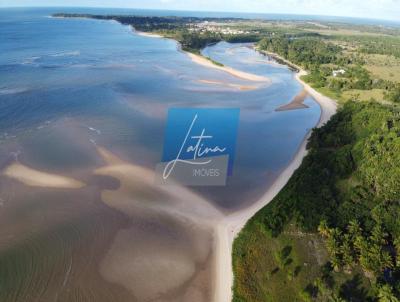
x: 374, y: 9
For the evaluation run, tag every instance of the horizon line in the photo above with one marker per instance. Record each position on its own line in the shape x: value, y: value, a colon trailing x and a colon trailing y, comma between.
x: 204, y: 11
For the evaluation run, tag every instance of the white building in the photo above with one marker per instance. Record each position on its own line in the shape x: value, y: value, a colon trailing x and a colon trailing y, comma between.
x: 337, y: 72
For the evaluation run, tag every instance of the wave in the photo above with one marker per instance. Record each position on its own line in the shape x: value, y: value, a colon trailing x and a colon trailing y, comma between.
x: 30, y: 60
x: 34, y: 59
x: 5, y: 91
x: 94, y: 130
x: 73, y: 53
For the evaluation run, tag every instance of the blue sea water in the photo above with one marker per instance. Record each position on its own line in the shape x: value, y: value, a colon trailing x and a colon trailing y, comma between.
x: 69, y: 85
x: 66, y: 83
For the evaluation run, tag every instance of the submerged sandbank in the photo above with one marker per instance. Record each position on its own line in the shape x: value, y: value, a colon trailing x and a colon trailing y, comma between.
x: 296, y: 103
x: 36, y: 178
x: 230, y: 85
x: 171, y: 257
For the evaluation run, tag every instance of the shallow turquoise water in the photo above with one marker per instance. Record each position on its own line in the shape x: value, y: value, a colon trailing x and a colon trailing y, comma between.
x: 67, y: 85
x: 66, y: 82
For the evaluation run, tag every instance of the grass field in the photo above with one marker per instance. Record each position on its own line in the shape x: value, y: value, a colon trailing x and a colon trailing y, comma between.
x: 286, y: 262
x: 383, y: 67
x: 280, y: 269
x: 343, y: 31
x: 363, y: 95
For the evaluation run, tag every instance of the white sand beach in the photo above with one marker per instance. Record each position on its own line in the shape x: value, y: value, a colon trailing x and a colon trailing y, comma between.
x: 328, y: 106
x: 231, y: 225
x: 237, y: 73
x: 147, y: 34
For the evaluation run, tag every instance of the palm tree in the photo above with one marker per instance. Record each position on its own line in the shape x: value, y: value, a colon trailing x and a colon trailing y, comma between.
x: 347, y: 252
x: 336, y: 263
x: 354, y: 228
x: 385, y: 294
x: 323, y: 228
x: 378, y: 234
x: 397, y: 247
x: 336, y: 298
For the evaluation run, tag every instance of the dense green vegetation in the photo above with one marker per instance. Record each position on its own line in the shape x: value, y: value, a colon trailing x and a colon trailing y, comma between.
x: 394, y: 94
x: 379, y: 45
x: 348, y: 188
x: 305, y: 51
x: 193, y: 42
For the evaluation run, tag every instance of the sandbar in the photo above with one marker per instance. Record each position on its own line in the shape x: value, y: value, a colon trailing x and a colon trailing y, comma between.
x: 36, y: 178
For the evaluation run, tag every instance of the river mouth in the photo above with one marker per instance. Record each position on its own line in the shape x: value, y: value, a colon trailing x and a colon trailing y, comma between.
x: 83, y: 109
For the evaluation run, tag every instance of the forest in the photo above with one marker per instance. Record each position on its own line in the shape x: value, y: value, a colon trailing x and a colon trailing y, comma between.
x: 348, y: 190
x: 305, y: 51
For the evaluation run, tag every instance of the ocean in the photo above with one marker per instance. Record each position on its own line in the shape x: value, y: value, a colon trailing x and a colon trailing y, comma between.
x: 72, y: 90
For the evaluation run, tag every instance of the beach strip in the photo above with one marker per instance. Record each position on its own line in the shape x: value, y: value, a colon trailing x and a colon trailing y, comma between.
x: 146, y: 34
x: 198, y: 59
x: 227, y: 230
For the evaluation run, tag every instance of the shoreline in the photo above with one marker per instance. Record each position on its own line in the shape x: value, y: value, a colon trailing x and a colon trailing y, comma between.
x: 280, y: 59
x: 199, y: 59
x: 146, y: 34
x: 228, y: 229
x: 328, y: 106
x: 203, y: 61
x: 237, y: 73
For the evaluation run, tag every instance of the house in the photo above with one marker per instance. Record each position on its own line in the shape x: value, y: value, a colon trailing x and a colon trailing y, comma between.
x: 338, y: 72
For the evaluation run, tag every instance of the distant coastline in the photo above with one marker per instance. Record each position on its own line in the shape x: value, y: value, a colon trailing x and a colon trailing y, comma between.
x: 195, y: 57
